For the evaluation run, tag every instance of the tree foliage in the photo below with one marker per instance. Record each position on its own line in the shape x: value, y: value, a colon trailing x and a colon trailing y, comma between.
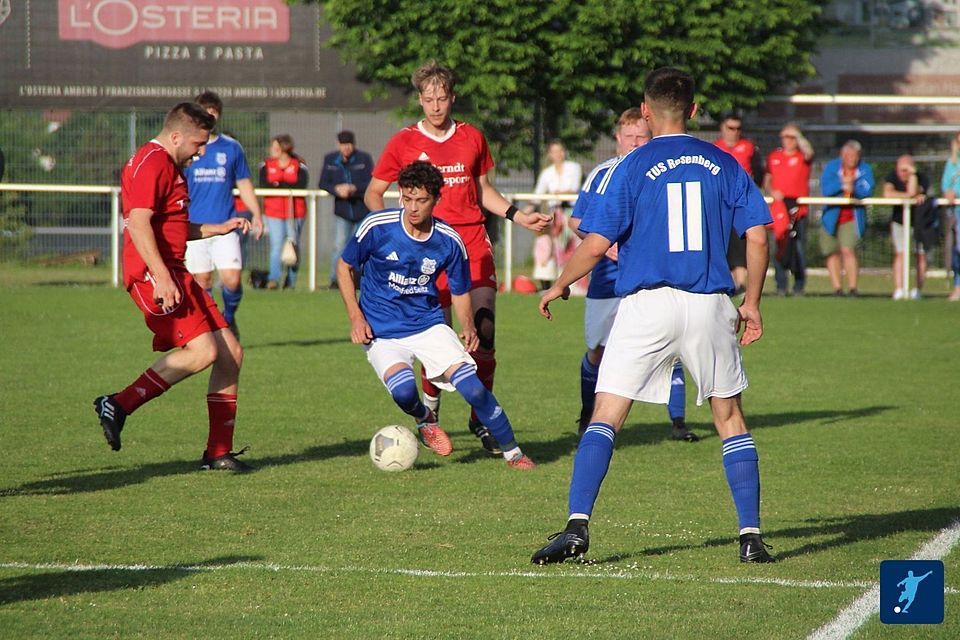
x: 581, y: 61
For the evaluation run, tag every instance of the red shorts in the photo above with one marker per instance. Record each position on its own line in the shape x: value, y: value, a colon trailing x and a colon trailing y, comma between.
x: 196, y: 314
x: 483, y: 271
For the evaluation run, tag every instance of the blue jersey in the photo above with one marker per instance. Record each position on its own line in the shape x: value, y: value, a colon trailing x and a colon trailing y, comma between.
x: 398, y: 290
x: 671, y: 205
x: 603, y: 278
x: 211, y: 178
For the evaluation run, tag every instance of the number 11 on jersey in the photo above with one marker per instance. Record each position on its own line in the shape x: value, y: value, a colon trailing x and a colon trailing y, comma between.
x: 675, y: 199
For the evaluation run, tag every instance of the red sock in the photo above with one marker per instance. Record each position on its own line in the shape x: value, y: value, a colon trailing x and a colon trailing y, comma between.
x: 428, y: 387
x: 222, y: 409
x: 144, y: 389
x: 486, y: 368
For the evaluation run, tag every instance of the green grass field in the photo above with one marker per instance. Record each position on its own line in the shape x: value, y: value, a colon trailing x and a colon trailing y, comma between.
x: 853, y: 405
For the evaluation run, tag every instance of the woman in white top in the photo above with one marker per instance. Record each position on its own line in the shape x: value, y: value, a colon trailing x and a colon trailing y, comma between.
x: 561, y: 176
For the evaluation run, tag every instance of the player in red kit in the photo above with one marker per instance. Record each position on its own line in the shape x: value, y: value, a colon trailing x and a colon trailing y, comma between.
x: 460, y: 152
x: 181, y: 315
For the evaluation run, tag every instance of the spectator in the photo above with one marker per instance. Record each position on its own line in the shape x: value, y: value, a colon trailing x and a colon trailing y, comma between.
x: 346, y: 174
x: 842, y: 226
x: 788, y: 178
x: 950, y: 185
x: 747, y: 155
x: 553, y: 245
x: 284, y: 214
x: 906, y: 182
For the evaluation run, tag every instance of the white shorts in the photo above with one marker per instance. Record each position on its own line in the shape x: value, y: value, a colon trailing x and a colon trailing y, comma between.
x: 438, y: 348
x: 896, y: 234
x: 598, y: 316
x: 655, y: 327
x: 222, y: 252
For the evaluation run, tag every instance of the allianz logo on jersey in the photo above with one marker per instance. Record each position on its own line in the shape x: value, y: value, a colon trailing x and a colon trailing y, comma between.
x: 427, y: 268
x: 204, y: 173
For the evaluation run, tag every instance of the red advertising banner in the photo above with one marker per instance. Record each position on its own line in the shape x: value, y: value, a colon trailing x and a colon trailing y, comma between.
x: 120, y: 23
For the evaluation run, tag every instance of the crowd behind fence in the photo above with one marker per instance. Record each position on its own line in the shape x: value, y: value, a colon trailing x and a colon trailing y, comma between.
x: 100, y: 238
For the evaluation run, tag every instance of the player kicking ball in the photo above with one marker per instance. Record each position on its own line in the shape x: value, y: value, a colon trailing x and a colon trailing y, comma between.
x: 671, y: 205
x: 182, y: 316
x: 398, y: 318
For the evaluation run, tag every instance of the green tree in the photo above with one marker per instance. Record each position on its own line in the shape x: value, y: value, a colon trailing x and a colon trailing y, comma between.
x: 574, y: 64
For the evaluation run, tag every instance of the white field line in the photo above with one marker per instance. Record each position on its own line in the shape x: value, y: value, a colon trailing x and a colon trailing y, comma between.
x: 430, y: 573
x: 868, y: 605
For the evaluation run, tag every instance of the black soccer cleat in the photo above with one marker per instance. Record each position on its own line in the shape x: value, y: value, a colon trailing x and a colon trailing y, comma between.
x: 112, y: 417
x: 571, y: 543
x: 679, y: 431
x: 754, y: 549
x: 226, y: 462
x: 489, y: 443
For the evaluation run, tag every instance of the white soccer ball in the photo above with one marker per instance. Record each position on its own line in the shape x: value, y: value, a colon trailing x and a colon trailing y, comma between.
x: 394, y: 448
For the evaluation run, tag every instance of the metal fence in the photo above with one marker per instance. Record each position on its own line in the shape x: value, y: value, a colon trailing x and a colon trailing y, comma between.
x: 100, y: 240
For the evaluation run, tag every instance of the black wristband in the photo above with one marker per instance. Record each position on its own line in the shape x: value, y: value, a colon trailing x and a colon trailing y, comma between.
x: 511, y: 212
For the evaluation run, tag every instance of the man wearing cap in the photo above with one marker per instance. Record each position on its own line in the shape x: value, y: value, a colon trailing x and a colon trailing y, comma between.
x: 346, y: 174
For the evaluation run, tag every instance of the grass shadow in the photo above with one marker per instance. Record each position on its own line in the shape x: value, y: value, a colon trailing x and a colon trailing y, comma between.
x: 845, y: 530
x: 113, y: 477
x: 297, y: 343
x: 76, y: 581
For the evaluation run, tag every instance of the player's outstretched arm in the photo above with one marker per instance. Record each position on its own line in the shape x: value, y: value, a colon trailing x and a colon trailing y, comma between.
x: 207, y: 230
x: 373, y: 196
x: 758, y: 257
x: 494, y: 202
x: 360, y: 331
x: 463, y: 308
x: 583, y: 260
x: 165, y: 291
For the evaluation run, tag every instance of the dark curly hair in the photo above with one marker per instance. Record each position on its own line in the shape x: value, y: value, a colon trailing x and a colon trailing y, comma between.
x: 421, y: 175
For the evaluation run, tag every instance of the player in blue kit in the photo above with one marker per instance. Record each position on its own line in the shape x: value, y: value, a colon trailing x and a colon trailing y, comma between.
x: 602, y: 302
x: 210, y: 180
x: 670, y: 206
x: 398, y: 318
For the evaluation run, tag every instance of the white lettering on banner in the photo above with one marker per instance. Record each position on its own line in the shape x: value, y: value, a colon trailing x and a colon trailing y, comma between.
x: 121, y: 23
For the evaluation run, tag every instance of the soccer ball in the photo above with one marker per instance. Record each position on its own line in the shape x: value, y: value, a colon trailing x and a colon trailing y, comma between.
x: 394, y: 448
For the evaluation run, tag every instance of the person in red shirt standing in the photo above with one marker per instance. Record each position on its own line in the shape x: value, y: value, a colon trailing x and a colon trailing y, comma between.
x: 460, y: 152
x: 284, y: 215
x: 788, y: 178
x: 182, y: 316
x: 745, y: 151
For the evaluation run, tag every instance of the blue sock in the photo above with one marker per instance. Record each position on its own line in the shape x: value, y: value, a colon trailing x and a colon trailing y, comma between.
x: 743, y: 475
x: 231, y: 300
x: 403, y: 387
x: 678, y: 393
x: 590, y: 467
x: 491, y: 414
x: 588, y: 385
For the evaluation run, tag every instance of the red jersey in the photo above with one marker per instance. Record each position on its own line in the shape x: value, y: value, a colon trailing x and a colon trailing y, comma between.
x: 743, y: 151
x: 461, y: 155
x: 151, y: 180
x: 790, y: 175
x: 274, y: 174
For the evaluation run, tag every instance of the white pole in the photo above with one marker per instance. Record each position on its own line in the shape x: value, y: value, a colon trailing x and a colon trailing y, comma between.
x: 312, y: 217
x: 907, y: 249
x: 115, y: 236
x: 508, y: 258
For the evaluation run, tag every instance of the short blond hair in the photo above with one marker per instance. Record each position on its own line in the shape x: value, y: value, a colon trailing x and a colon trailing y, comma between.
x: 433, y: 73
x: 630, y: 116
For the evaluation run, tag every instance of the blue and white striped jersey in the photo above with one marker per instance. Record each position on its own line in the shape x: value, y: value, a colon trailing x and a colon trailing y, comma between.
x: 603, y: 278
x: 398, y: 289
